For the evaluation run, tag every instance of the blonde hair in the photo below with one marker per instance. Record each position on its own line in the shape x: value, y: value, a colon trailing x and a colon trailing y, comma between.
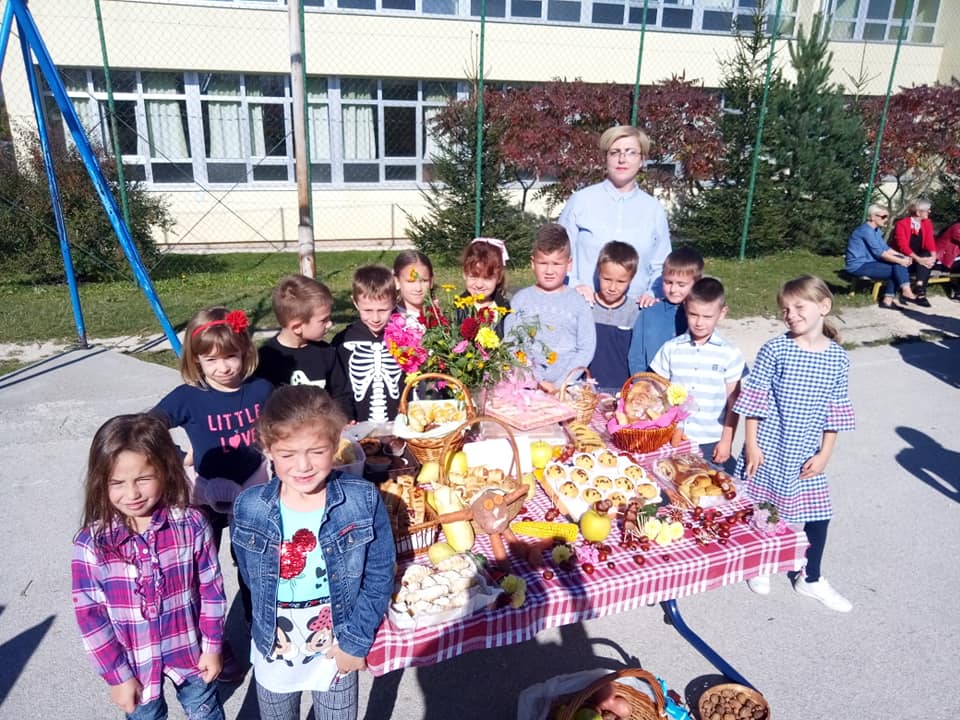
x: 617, y: 132
x: 297, y: 297
x: 293, y: 407
x: 145, y: 435
x: 217, y: 338
x: 812, y: 288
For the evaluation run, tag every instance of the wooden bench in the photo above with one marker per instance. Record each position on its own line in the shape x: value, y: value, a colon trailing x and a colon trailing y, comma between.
x: 861, y: 282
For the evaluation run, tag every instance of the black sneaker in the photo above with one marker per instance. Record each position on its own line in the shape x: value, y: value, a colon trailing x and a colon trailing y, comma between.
x: 922, y: 301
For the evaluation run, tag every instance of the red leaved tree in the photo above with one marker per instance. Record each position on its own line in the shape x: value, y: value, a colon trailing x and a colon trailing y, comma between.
x: 921, y: 141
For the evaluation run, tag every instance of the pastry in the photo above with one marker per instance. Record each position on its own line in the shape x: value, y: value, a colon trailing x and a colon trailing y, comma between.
x: 569, y: 490
x: 624, y: 484
x: 606, y: 459
x: 647, y: 491
x: 584, y: 461
x: 617, y: 498
x: 579, y: 476
x: 591, y: 495
x: 555, y: 471
x: 635, y: 473
x: 603, y: 483
x: 666, y: 468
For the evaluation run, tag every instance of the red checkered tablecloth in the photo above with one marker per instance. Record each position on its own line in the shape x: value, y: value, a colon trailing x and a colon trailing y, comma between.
x: 677, y: 570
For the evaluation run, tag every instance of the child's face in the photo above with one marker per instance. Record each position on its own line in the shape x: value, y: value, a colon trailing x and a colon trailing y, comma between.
x: 414, y: 283
x: 479, y: 285
x: 702, y: 318
x: 614, y: 279
x: 222, y: 371
x: 676, y: 286
x: 550, y: 269
x: 303, y: 460
x: 804, y: 318
x: 374, y: 312
x: 316, y: 327
x: 134, y: 488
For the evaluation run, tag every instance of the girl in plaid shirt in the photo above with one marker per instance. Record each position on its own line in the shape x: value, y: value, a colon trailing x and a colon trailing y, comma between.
x: 147, y: 590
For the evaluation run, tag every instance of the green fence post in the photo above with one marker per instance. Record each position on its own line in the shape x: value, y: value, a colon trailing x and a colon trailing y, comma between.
x: 907, y: 12
x: 479, y: 167
x: 760, y: 122
x: 636, y: 83
x: 115, y: 141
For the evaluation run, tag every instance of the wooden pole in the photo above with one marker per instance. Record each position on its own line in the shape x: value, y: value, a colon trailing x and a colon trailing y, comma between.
x: 305, y: 241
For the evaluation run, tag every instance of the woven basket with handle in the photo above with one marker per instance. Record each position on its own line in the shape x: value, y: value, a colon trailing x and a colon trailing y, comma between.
x: 587, y: 399
x: 427, y: 449
x: 641, y: 706
x: 650, y: 439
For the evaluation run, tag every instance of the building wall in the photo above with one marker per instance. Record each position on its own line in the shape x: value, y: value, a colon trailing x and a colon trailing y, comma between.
x: 233, y: 37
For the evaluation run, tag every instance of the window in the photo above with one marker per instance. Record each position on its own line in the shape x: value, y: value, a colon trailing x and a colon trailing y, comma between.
x: 879, y: 20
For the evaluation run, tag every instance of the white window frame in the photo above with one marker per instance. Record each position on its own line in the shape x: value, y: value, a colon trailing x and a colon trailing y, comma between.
x: 891, y: 23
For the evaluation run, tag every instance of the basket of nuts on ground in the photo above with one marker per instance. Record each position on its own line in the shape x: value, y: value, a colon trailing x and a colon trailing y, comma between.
x: 730, y: 701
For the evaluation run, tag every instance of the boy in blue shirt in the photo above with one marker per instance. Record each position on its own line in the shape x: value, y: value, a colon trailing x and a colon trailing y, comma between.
x: 614, y: 315
x: 563, y: 316
x: 709, y: 368
x: 662, y: 321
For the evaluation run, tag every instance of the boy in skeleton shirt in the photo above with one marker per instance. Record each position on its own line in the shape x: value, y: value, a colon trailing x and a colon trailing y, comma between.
x: 367, y: 380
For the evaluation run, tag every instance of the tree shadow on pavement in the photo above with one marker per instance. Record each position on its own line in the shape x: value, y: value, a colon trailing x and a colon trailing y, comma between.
x: 16, y: 653
x: 930, y: 462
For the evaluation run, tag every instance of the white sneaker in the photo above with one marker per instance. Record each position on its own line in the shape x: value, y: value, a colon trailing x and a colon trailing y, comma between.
x: 760, y: 585
x: 822, y: 590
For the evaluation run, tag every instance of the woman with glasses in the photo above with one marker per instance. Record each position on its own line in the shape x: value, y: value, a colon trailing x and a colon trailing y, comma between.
x: 868, y: 254
x: 617, y: 209
x: 913, y: 236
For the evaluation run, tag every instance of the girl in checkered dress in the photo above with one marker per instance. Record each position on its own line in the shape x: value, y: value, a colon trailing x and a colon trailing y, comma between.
x: 795, y: 401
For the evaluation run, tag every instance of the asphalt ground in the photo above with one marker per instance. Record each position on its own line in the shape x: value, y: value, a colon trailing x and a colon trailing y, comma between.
x: 892, y: 549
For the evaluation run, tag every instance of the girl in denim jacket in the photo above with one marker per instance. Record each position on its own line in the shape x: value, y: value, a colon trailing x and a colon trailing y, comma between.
x: 316, y: 548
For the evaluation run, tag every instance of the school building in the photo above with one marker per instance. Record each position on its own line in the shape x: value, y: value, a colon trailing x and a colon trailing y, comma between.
x: 204, y: 105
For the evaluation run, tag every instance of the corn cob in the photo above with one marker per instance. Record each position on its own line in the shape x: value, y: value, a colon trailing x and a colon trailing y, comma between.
x: 548, y: 530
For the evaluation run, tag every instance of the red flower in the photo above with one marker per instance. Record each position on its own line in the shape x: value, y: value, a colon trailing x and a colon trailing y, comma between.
x: 433, y: 316
x: 237, y: 320
x: 468, y: 328
x: 487, y: 315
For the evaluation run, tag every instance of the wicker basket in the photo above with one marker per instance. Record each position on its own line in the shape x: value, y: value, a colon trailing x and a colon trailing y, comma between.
x: 736, y: 689
x: 411, y: 539
x: 513, y: 471
x: 427, y: 449
x: 641, y: 706
x: 650, y: 439
x: 586, y: 403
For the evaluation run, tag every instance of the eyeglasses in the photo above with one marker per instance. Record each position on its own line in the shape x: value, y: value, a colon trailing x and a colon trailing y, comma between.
x: 629, y: 154
x: 883, y: 217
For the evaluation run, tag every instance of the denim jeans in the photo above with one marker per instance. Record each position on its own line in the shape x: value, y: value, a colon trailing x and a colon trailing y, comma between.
x: 198, y: 699
x: 894, y: 276
x: 340, y: 702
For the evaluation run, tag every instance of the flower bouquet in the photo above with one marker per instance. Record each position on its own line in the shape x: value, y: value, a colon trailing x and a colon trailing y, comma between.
x: 766, y: 520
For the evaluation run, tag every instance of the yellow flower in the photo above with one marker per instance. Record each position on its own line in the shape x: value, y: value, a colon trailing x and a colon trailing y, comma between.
x: 460, y: 303
x: 448, y: 287
x: 521, y: 356
x: 676, y: 394
x: 502, y: 311
x: 487, y: 338
x: 552, y: 357
x: 414, y: 275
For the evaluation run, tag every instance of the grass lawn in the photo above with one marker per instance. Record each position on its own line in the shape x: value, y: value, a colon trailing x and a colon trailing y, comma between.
x: 186, y: 283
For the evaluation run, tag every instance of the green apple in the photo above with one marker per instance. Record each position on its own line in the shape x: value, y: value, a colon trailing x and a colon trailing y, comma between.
x: 440, y: 551
x: 587, y: 714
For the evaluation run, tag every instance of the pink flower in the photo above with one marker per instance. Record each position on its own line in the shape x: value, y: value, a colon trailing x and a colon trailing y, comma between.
x: 460, y: 347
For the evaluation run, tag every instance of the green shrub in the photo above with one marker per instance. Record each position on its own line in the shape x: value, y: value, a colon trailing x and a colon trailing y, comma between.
x: 29, y: 245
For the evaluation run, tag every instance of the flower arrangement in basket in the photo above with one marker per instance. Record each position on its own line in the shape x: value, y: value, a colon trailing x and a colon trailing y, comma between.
x: 648, y: 411
x: 468, y: 349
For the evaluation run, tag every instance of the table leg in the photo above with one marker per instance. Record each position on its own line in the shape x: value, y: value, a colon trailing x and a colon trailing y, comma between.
x: 673, y: 612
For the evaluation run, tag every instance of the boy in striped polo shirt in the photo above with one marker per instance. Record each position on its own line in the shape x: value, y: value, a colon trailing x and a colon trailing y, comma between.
x: 709, y: 367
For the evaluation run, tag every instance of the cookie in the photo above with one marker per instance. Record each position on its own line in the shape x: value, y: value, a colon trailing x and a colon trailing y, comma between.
x: 569, y: 490
x: 555, y: 471
x: 635, y: 473
x: 606, y: 459
x: 584, y: 461
x: 603, y: 483
x: 624, y: 484
x: 579, y: 475
x: 647, y: 491
x: 617, y: 498
x: 591, y: 495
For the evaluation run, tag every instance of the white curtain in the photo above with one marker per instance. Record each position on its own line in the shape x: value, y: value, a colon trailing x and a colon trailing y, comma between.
x: 258, y: 144
x: 359, y: 133
x: 223, y: 119
x: 430, y: 147
x: 89, y: 114
x: 318, y: 126
x: 165, y: 129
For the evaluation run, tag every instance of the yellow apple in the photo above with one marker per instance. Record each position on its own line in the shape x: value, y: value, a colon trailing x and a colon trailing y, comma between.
x: 429, y: 473
x: 458, y: 463
x: 595, y: 526
x: 440, y: 551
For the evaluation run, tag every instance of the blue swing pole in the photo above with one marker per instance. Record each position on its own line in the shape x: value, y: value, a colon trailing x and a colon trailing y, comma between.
x: 29, y: 31
x: 54, y: 193
x: 5, y: 32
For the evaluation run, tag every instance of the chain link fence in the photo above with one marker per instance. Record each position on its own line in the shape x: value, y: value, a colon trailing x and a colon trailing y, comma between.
x: 196, y: 101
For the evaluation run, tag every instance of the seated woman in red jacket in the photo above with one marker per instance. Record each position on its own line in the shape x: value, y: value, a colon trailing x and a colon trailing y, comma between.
x: 913, y: 236
x: 948, y: 254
